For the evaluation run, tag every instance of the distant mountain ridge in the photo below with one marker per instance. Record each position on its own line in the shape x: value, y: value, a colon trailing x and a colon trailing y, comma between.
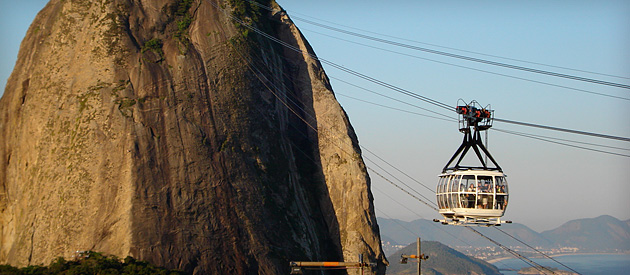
x: 592, y: 234
x: 601, y: 234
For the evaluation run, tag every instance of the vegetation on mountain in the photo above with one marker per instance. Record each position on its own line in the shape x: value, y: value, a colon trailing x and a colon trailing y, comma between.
x: 91, y: 263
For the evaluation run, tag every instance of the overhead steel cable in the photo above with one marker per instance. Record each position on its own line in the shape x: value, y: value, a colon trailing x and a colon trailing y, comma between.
x: 393, y: 108
x: 409, y: 230
x: 473, y: 59
x: 396, y: 201
x: 562, y: 139
x: 332, y: 64
x: 403, y: 189
x: 396, y: 221
x: 426, y: 200
x: 389, y: 86
x: 562, y: 129
x: 393, y: 87
x: 532, y: 136
x: 560, y: 143
x: 289, y: 100
x: 478, y: 70
x: 258, y: 74
x: 407, y: 175
x: 413, y: 212
x: 514, y: 253
x: 540, y: 252
x: 256, y: 71
x: 392, y: 98
x: 537, y: 137
x: 438, y: 46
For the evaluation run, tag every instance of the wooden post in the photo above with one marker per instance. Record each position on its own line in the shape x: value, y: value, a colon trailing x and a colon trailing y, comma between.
x: 420, y: 259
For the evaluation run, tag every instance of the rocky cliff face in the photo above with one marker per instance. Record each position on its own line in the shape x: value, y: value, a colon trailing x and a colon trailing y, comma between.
x: 163, y: 130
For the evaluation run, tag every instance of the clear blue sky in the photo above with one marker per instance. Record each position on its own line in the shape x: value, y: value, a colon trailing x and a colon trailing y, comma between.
x: 549, y: 184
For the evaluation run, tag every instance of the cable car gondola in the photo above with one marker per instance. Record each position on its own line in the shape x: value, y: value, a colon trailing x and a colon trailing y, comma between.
x: 472, y: 195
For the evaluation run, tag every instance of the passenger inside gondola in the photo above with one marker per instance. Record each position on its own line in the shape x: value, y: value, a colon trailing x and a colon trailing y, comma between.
x: 486, y: 193
x: 470, y: 196
x: 501, y: 193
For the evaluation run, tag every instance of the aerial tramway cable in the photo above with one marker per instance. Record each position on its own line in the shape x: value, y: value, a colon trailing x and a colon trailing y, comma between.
x: 392, y: 98
x: 561, y: 139
x: 514, y: 253
x: 562, y: 129
x: 438, y: 46
x: 532, y: 136
x: 478, y: 70
x: 475, y: 69
x: 312, y: 127
x: 546, y: 256
x: 562, y: 143
x: 473, y: 59
x: 395, y: 88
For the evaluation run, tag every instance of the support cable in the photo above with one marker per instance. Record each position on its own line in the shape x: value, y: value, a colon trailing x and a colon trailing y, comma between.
x: 256, y: 73
x: 560, y: 143
x: 514, y: 253
x: 540, y: 252
x: 391, y: 98
x: 562, y: 129
x: 439, y: 46
x: 393, y: 108
x: 478, y: 70
x: 396, y: 221
x: 436, y: 226
x: 402, y: 189
x: 387, y: 85
x: 332, y: 64
x: 400, y: 171
x: 369, y: 168
x: 467, y: 58
x: 532, y: 136
x: 562, y: 139
x: 312, y: 127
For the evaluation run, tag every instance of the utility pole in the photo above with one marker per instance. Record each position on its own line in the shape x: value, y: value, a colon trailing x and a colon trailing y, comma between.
x: 419, y: 260
x: 420, y: 257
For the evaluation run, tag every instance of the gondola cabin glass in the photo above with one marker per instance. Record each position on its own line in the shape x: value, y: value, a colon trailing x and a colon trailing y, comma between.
x: 472, y: 195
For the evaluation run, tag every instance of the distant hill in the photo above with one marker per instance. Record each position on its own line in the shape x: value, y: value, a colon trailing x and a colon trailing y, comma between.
x: 601, y: 234
x: 442, y: 260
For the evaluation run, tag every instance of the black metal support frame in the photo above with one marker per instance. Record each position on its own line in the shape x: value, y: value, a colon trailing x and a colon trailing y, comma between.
x: 471, y: 140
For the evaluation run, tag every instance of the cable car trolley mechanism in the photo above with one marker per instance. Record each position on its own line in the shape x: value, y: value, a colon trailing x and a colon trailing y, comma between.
x: 472, y: 195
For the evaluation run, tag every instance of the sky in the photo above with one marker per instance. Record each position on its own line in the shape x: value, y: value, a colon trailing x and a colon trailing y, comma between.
x: 549, y: 183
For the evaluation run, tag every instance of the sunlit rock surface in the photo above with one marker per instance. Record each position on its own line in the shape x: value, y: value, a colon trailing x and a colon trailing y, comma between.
x: 165, y: 131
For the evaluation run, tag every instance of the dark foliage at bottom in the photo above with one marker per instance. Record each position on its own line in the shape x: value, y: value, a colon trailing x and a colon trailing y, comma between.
x: 91, y: 263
